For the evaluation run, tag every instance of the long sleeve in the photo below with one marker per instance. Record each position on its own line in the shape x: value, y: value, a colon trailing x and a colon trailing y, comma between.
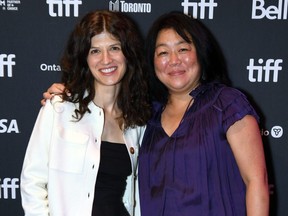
x: 34, y: 176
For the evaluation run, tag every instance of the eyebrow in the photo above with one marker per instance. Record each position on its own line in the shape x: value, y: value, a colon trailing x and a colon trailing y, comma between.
x: 165, y: 44
x: 115, y: 44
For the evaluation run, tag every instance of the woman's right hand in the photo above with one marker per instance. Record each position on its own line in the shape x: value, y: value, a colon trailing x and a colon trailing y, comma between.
x: 55, y: 88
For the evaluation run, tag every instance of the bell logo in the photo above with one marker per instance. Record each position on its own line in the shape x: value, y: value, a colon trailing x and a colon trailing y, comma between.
x: 8, y: 127
x: 272, y: 12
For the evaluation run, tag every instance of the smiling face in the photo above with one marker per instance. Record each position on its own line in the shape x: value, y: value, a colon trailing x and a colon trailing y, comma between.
x: 175, y: 62
x: 106, y: 60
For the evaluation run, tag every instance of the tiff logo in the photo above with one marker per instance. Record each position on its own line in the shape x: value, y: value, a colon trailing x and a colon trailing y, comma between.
x: 56, y: 7
x: 6, y: 62
x: 257, y: 73
x: 8, y: 187
x: 200, y: 7
x: 272, y: 12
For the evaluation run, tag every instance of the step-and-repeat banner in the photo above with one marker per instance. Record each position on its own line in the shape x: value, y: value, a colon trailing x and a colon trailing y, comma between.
x: 252, y: 33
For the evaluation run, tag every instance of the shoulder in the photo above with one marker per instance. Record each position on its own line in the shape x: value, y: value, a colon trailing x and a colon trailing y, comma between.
x: 58, y: 105
x: 230, y: 92
x: 226, y: 96
x: 215, y: 94
x: 233, y: 106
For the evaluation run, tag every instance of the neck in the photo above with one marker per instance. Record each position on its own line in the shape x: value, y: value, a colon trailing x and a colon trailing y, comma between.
x: 106, y: 98
x: 178, y: 100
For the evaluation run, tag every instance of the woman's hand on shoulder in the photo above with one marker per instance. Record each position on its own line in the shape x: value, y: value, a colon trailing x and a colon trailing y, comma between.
x: 55, y: 88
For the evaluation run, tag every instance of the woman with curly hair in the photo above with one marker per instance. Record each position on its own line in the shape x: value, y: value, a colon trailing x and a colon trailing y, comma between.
x: 82, y: 155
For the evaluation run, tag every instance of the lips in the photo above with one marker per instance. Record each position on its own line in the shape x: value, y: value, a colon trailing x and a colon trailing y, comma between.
x: 108, y: 70
x: 176, y: 73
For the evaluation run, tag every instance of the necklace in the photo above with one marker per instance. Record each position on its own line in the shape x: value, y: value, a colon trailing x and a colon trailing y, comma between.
x: 168, y: 125
x: 189, y: 104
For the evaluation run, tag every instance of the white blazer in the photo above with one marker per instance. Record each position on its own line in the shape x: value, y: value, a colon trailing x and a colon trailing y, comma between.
x: 62, y: 160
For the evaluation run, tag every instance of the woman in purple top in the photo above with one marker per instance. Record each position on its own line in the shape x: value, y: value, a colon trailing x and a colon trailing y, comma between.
x: 202, y: 152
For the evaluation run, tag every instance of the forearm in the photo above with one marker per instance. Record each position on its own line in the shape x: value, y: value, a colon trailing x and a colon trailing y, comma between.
x: 257, y: 199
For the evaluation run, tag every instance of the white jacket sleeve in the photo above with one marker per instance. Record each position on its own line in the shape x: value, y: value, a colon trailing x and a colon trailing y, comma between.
x: 34, y: 175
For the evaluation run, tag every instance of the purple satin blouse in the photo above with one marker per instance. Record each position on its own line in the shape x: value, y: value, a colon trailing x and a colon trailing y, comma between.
x: 193, y: 172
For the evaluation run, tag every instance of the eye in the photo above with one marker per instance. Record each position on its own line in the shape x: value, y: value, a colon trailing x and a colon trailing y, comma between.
x: 115, y: 48
x: 161, y: 52
x: 183, y: 50
x: 184, y: 47
x: 94, y: 51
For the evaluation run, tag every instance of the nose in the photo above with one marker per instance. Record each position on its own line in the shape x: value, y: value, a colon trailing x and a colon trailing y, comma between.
x: 174, y: 59
x: 106, y: 58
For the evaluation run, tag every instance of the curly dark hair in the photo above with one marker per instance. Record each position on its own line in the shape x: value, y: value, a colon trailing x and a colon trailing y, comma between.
x: 133, y: 98
x: 211, y: 59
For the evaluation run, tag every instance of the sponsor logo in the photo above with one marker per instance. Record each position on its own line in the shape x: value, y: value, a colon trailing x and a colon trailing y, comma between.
x: 8, y: 188
x: 10, y: 5
x: 7, y: 126
x: 57, y: 7
x: 198, y: 9
x: 127, y: 7
x: 272, y: 12
x: 264, y: 71
x: 47, y: 67
x: 276, y: 132
x: 6, y: 65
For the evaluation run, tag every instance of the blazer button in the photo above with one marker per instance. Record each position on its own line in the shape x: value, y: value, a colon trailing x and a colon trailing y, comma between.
x: 132, y: 150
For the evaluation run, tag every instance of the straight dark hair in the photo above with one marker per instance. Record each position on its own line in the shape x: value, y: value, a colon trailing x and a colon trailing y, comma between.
x: 211, y: 59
